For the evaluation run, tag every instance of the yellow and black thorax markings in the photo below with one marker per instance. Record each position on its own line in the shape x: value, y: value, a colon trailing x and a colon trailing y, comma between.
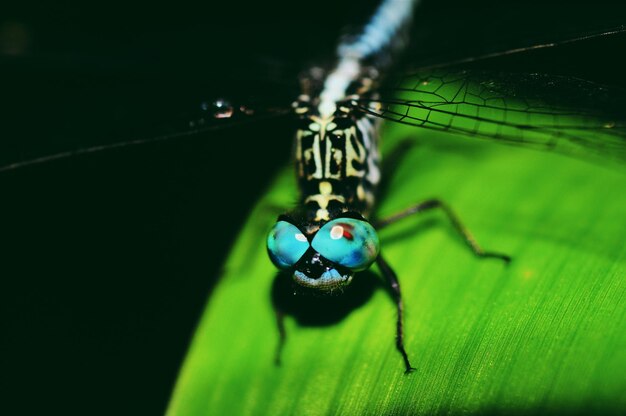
x: 331, y: 149
x: 336, y: 162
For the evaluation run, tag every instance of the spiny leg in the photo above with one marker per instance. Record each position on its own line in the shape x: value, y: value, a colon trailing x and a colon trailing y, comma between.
x: 456, y: 222
x: 392, y: 279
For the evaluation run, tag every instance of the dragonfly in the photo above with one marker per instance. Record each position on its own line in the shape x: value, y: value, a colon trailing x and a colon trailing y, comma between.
x: 330, y: 237
x: 422, y: 98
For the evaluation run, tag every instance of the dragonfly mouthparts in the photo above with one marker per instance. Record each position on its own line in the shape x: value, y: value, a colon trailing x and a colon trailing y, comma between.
x: 316, y: 272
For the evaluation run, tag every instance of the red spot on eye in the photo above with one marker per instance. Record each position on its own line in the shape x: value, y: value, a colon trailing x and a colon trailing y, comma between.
x: 347, y: 231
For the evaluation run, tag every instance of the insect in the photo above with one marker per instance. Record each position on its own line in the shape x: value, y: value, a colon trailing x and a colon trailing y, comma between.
x: 329, y: 237
x: 395, y: 110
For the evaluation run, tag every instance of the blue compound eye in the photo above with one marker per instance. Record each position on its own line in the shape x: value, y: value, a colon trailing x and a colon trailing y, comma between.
x: 351, y: 243
x: 286, y: 244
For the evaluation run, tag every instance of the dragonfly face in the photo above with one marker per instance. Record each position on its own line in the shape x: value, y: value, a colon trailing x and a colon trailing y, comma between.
x: 324, y: 256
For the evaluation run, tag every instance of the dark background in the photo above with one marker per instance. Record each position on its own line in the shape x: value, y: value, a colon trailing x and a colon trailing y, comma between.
x: 107, y: 259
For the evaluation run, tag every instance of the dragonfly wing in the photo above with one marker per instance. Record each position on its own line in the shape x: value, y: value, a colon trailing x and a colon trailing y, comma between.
x: 62, y: 103
x: 566, y: 114
x: 448, y: 32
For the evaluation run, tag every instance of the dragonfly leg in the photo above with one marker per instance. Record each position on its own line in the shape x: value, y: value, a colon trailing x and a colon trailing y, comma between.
x: 394, y: 285
x: 282, y: 334
x: 456, y: 222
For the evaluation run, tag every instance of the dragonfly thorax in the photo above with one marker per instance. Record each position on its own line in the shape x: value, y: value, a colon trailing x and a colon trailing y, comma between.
x: 336, y: 162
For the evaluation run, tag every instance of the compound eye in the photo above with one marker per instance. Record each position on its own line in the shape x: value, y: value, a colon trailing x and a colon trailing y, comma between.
x: 286, y: 244
x: 349, y: 242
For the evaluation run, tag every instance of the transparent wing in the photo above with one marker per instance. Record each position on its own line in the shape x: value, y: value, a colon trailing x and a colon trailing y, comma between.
x: 208, y: 116
x: 565, y: 114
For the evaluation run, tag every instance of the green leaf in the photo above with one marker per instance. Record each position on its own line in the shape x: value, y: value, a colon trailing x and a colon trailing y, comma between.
x: 545, y: 334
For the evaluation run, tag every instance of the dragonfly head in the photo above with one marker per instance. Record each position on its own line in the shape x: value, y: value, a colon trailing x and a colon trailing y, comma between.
x: 323, y: 256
